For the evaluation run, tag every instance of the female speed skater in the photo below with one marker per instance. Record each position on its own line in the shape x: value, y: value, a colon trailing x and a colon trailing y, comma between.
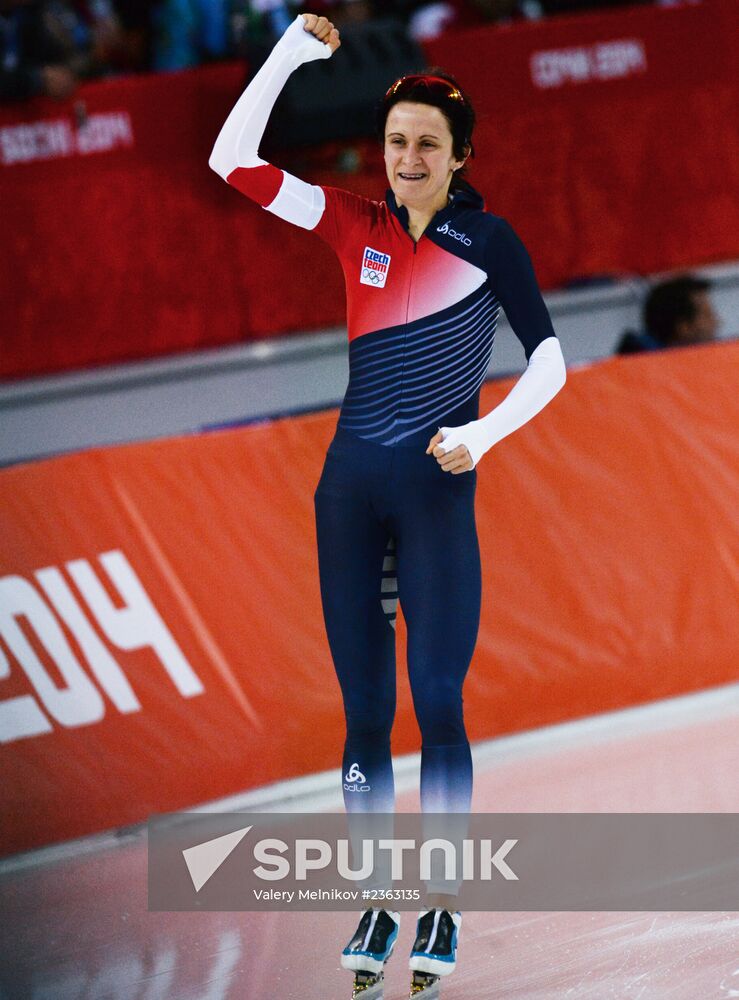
x: 426, y: 272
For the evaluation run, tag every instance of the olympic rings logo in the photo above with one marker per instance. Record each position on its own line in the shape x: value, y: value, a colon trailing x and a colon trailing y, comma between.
x: 372, y: 276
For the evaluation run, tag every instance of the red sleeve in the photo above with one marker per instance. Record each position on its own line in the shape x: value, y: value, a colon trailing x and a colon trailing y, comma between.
x: 345, y: 212
x: 259, y: 183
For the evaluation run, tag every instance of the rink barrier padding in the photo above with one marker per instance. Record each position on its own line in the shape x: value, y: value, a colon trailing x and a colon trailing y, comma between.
x: 161, y: 634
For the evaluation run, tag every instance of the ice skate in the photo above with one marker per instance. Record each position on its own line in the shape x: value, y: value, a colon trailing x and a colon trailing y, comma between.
x: 369, y: 949
x: 434, y: 952
x: 368, y: 986
x: 424, y: 986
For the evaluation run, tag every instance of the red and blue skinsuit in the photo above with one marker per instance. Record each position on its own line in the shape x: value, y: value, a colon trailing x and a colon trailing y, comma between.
x: 391, y: 524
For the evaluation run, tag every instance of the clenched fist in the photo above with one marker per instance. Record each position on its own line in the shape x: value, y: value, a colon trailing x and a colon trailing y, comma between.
x: 323, y: 29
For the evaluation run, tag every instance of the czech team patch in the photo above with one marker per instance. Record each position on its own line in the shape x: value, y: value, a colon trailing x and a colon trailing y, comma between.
x: 375, y: 266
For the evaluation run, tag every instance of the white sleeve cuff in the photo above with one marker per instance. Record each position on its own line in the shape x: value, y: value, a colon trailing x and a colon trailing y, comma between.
x: 298, y: 202
x: 542, y: 379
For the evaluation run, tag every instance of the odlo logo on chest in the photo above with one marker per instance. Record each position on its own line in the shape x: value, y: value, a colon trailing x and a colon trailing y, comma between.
x: 375, y: 266
x: 462, y: 237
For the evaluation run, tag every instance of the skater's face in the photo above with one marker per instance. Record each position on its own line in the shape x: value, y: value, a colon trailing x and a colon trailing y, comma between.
x: 418, y: 154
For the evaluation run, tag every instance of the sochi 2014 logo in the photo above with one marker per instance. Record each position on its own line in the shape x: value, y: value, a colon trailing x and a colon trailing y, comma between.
x: 375, y: 266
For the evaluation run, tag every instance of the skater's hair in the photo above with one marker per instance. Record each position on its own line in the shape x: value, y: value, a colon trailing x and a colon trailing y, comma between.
x: 440, y: 90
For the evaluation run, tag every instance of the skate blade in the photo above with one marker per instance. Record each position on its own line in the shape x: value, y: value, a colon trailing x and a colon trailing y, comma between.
x: 424, y: 986
x: 368, y: 986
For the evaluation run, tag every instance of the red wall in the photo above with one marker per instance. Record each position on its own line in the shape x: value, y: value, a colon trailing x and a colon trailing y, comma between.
x: 610, y: 140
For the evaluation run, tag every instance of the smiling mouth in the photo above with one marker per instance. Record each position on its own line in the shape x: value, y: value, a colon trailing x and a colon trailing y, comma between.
x: 411, y: 177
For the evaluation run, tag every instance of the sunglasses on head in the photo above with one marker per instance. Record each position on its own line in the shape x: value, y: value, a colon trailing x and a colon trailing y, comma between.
x: 434, y: 84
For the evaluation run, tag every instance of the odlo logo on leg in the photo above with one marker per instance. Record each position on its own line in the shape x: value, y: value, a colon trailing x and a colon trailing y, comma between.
x: 355, y: 780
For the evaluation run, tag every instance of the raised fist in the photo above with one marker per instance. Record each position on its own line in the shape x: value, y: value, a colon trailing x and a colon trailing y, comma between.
x: 323, y: 29
x: 310, y: 37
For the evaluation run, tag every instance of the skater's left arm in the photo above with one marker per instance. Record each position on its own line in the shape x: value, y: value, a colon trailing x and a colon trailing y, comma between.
x: 511, y: 274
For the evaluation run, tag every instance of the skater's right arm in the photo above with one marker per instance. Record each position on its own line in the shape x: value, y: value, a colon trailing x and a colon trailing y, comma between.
x: 235, y: 154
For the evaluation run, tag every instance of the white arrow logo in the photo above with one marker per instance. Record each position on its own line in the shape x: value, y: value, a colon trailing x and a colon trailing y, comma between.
x: 203, y: 860
x: 354, y: 774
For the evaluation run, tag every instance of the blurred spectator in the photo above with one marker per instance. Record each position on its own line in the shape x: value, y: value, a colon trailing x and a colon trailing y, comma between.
x: 460, y: 13
x: 276, y: 14
x: 351, y: 11
x: 676, y: 313
x: 33, y: 60
x: 46, y: 47
x: 429, y: 20
x: 135, y: 19
x: 578, y: 6
x: 257, y: 24
x: 188, y: 32
x: 88, y: 32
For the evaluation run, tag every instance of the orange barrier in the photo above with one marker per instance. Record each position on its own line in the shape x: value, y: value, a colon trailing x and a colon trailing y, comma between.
x: 161, y: 634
